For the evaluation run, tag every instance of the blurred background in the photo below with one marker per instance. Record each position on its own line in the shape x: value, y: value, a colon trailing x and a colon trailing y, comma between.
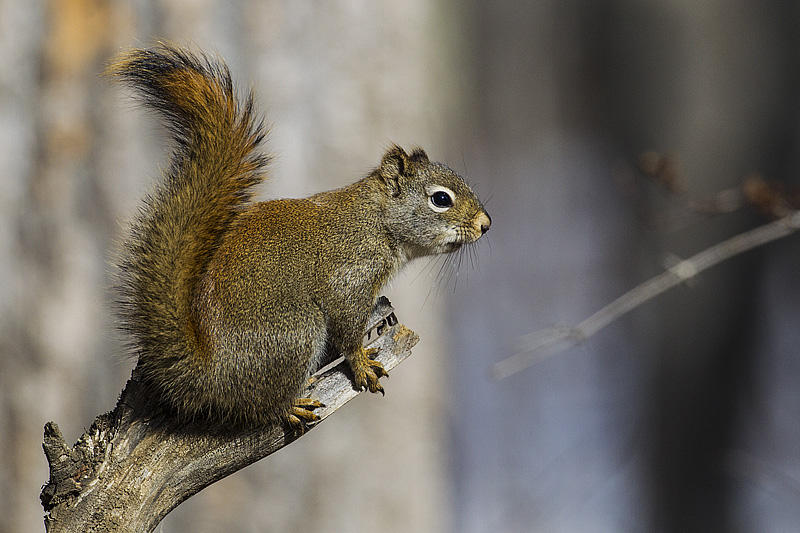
x: 682, y: 416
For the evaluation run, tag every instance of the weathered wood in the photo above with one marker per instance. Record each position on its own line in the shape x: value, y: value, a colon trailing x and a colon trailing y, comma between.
x: 134, y: 465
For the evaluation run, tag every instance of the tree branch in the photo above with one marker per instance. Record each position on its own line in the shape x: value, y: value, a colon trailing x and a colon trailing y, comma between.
x: 544, y: 343
x: 132, y: 467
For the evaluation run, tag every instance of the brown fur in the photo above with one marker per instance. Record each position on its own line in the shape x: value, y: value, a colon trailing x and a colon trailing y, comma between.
x: 231, y: 304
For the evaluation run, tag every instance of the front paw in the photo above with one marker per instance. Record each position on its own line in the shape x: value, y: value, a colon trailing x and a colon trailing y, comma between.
x: 366, y: 371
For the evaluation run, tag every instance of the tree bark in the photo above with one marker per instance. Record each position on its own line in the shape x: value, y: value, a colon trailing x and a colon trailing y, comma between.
x: 135, y: 464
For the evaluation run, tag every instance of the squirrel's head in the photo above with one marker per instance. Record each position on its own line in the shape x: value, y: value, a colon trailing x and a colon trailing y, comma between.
x: 429, y: 208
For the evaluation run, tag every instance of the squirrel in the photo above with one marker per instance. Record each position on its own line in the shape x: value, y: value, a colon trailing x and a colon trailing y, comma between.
x: 231, y: 303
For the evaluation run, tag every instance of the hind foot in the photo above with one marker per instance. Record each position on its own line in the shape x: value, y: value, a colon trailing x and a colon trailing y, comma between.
x: 301, y: 414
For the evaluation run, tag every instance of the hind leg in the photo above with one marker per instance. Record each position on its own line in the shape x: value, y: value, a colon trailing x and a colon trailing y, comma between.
x: 310, y: 342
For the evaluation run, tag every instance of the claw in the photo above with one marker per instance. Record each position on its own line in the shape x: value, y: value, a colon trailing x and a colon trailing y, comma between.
x: 366, y: 371
x: 301, y: 415
x: 307, y: 404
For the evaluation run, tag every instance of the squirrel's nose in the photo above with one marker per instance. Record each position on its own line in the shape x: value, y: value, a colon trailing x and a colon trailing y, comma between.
x: 484, y: 220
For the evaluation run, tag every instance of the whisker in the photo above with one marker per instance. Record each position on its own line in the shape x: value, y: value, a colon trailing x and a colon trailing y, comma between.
x: 450, y: 270
x: 460, y: 260
x: 427, y: 269
x: 437, y: 279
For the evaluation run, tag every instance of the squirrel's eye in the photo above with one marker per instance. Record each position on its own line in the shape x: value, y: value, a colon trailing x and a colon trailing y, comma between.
x: 441, y: 199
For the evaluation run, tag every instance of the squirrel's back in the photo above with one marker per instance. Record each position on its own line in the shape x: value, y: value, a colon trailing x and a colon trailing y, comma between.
x: 213, y: 168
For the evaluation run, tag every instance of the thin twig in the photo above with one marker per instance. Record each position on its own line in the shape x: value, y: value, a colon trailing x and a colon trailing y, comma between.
x: 539, y: 345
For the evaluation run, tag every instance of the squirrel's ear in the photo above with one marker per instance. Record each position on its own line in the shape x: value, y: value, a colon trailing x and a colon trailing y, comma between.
x: 418, y: 155
x: 395, y: 165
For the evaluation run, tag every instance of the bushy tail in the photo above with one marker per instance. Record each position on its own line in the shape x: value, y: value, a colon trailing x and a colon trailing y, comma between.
x: 214, y: 166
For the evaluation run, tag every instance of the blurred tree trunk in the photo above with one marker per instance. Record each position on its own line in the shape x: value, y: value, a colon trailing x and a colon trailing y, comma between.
x: 337, y: 82
x: 56, y: 230
x: 635, y: 429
